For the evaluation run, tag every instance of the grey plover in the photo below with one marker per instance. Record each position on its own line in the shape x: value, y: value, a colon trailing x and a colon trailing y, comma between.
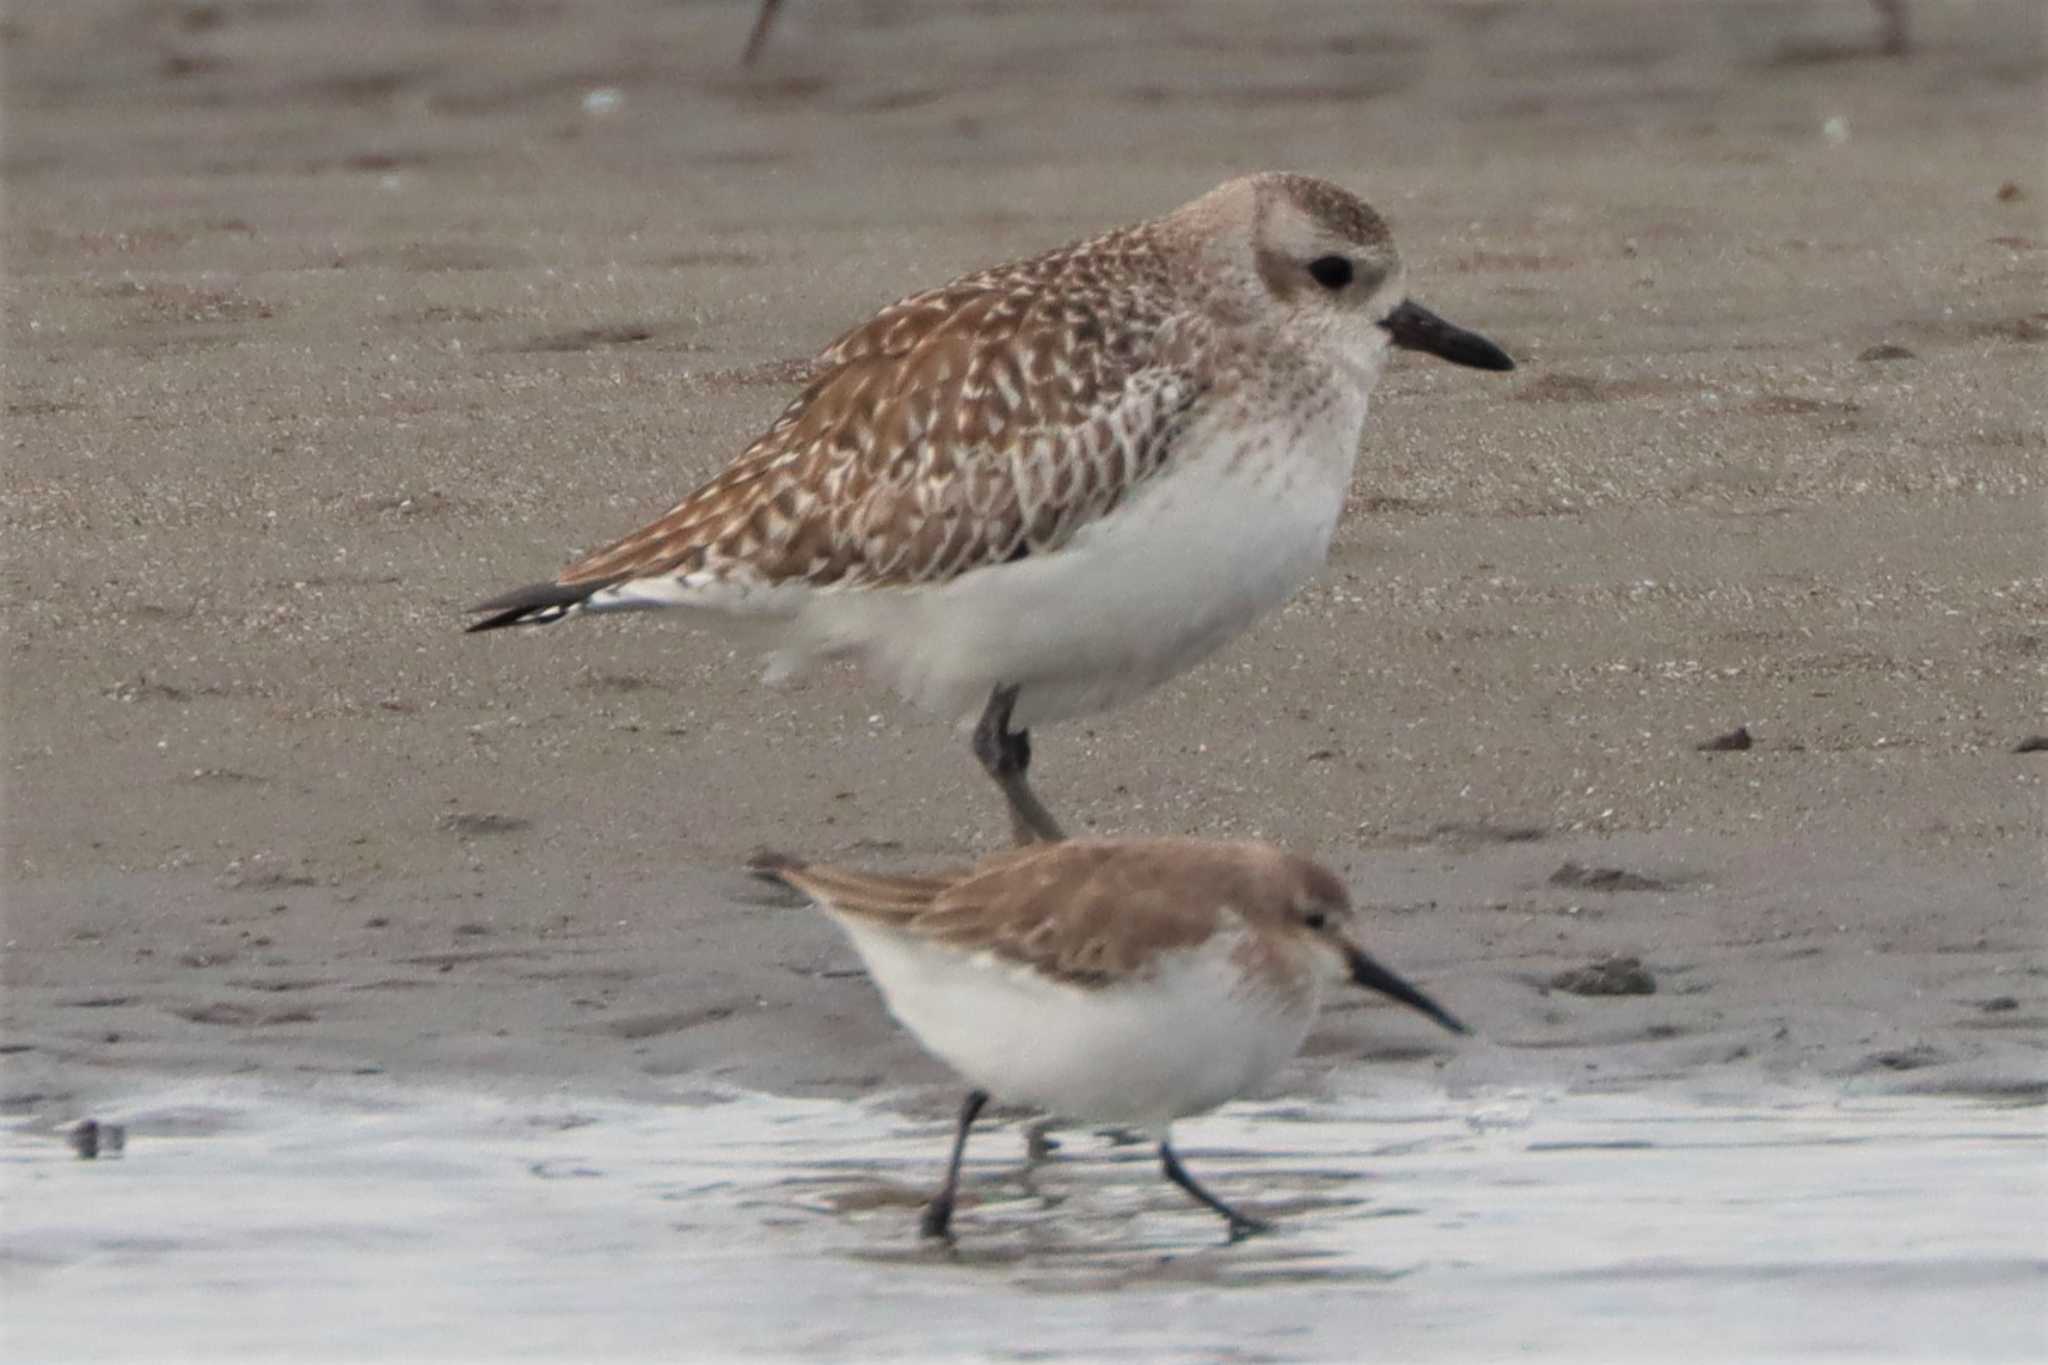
x: 1131, y: 982
x: 1043, y: 489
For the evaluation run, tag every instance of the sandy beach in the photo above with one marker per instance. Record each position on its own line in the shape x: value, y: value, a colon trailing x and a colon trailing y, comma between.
x: 324, y: 321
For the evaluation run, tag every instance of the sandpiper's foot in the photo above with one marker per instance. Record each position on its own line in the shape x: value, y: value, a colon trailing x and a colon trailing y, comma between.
x: 1242, y: 1225
x: 938, y: 1215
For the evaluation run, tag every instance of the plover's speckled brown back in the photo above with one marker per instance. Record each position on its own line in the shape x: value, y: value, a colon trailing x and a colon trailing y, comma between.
x: 1045, y: 488
x: 1127, y: 981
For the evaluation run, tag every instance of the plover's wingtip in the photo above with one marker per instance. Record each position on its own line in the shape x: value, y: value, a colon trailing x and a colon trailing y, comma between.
x: 770, y: 864
x: 536, y: 604
x: 499, y: 621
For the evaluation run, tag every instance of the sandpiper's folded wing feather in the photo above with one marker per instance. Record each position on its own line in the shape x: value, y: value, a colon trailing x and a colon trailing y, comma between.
x: 1087, y: 912
x: 985, y: 420
x: 1081, y: 912
x: 891, y: 899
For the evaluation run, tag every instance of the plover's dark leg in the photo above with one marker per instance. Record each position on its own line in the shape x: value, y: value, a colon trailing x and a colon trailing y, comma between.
x: 1241, y: 1225
x: 938, y: 1215
x: 1006, y: 755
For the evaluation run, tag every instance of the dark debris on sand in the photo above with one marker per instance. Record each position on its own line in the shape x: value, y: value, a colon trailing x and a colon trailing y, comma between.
x: 1578, y: 875
x: 1735, y: 741
x: 1608, y: 976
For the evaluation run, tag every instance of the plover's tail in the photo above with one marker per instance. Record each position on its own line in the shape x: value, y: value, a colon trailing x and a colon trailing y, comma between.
x: 538, y: 604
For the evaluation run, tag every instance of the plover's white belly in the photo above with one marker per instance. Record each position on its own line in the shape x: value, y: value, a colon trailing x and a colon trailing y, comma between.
x: 1180, y: 1041
x: 1150, y: 590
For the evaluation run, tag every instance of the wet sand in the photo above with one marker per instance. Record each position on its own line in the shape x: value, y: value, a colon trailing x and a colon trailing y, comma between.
x: 313, y: 342
x: 325, y: 321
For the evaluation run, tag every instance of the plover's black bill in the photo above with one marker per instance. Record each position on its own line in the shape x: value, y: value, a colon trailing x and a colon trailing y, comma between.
x: 1417, y: 329
x: 1373, y: 976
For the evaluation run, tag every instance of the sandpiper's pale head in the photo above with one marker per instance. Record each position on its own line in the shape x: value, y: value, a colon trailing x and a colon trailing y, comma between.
x: 1300, y: 902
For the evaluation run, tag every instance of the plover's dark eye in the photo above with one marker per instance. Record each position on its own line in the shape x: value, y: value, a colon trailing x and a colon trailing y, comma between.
x: 1315, y: 919
x: 1331, y: 272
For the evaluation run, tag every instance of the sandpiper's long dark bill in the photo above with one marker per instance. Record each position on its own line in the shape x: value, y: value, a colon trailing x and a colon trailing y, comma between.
x: 1040, y: 490
x: 1126, y: 981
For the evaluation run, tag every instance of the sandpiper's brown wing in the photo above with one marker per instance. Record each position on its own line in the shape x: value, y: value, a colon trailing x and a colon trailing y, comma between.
x: 969, y: 425
x: 877, y: 895
x: 1085, y: 911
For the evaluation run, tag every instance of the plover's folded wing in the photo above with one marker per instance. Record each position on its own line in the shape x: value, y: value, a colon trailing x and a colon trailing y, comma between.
x: 962, y: 429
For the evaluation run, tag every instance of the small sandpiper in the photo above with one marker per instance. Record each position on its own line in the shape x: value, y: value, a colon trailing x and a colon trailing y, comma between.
x: 1122, y: 981
x: 1044, y: 489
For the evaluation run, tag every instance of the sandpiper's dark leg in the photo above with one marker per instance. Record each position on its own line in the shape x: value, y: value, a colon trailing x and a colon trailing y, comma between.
x: 938, y: 1215
x: 1006, y: 754
x: 1241, y: 1225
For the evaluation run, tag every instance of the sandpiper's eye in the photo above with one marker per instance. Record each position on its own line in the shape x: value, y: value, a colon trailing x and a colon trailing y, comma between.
x: 1331, y: 272
x: 1316, y: 919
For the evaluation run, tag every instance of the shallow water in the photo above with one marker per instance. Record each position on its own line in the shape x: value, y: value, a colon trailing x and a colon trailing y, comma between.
x: 405, y: 1225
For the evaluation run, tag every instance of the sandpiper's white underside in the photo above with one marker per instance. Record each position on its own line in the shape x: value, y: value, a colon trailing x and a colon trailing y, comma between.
x: 1188, y: 1035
